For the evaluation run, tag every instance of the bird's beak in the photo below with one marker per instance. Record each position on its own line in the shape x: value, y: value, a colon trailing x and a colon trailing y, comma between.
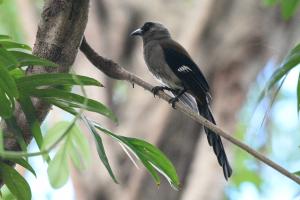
x: 137, y: 32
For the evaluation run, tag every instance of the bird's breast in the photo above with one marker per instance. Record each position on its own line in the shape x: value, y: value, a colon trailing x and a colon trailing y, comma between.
x: 157, y: 65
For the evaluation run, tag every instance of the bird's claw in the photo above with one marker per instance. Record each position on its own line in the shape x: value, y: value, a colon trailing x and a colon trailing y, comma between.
x: 156, y: 89
x: 173, y: 101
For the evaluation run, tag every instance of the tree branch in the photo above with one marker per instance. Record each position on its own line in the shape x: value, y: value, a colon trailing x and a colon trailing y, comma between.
x: 115, y: 71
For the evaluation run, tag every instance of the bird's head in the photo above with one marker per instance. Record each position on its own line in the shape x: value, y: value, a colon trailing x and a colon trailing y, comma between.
x: 152, y: 31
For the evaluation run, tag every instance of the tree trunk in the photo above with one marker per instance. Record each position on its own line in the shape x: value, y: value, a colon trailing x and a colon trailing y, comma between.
x: 59, y: 34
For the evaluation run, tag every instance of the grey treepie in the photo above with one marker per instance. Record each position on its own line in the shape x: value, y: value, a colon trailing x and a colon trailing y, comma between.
x: 172, y: 65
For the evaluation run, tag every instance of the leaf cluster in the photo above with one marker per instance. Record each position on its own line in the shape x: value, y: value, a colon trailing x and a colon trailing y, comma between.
x: 65, y: 138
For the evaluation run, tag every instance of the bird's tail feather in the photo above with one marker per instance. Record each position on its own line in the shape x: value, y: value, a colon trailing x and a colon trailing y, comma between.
x: 188, y: 100
x: 215, y: 141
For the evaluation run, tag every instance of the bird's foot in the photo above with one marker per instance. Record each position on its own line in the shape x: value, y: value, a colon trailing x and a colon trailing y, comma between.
x: 156, y: 89
x: 173, y: 101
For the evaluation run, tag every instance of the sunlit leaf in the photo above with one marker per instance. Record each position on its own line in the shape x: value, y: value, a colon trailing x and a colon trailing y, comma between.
x: 291, y: 61
x: 6, y: 194
x: 15, y: 182
x: 73, y: 145
x: 54, y: 133
x: 58, y: 172
x: 25, y: 59
x: 74, y: 100
x: 288, y: 8
x: 101, y: 150
x: 61, y: 105
x: 13, y: 45
x: 150, y: 156
x: 78, y: 149
x: 24, y: 164
x: 55, y: 79
x: 17, y: 73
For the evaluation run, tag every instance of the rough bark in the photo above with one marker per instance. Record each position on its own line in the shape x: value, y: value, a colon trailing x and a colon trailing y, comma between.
x: 58, y: 37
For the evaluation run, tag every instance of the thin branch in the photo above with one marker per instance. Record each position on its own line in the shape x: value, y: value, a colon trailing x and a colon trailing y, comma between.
x: 113, y: 70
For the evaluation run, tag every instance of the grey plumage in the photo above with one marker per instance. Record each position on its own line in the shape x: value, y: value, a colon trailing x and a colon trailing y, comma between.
x: 169, y: 62
x: 154, y: 57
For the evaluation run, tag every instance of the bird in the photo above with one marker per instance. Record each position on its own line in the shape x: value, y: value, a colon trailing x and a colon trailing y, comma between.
x: 170, y: 63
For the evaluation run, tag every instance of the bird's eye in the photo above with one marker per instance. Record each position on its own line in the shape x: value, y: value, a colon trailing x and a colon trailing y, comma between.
x: 147, y: 26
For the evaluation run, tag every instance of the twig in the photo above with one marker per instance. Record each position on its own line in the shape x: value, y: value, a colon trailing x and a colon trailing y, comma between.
x: 113, y: 70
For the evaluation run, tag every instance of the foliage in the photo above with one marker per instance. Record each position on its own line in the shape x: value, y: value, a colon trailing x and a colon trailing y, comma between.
x: 152, y: 158
x: 288, y: 7
x: 65, y: 137
x: 291, y: 61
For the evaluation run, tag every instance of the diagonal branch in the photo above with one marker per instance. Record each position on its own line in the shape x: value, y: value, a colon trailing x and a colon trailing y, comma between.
x: 115, y: 71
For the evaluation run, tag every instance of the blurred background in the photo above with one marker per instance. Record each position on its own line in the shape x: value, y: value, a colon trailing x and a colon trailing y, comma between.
x: 237, y: 45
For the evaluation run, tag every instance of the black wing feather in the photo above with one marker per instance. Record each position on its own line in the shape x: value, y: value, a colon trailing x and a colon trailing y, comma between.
x: 193, y: 79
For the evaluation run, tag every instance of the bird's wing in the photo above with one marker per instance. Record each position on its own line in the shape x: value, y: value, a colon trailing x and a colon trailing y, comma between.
x: 184, y: 67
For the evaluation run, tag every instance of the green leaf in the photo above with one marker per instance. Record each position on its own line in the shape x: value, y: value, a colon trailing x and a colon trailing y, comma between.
x: 55, y: 79
x: 291, y: 61
x: 4, y: 37
x: 6, y: 194
x: 297, y: 173
x: 13, y: 45
x: 14, y: 127
x: 270, y: 2
x: 17, y: 73
x: 7, y: 83
x: 100, y: 149
x: 54, y: 133
x: 298, y: 94
x: 73, y: 145
x: 25, y: 59
x: 61, y: 105
x: 288, y: 8
x: 288, y: 64
x: 73, y: 100
x: 1, y: 141
x: 78, y: 149
x: 58, y: 172
x: 6, y: 108
x: 7, y: 59
x: 24, y: 164
x: 33, y: 122
x: 150, y: 156
x: 15, y: 182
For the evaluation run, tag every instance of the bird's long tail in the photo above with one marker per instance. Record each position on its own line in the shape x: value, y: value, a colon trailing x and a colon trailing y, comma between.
x: 215, y: 141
